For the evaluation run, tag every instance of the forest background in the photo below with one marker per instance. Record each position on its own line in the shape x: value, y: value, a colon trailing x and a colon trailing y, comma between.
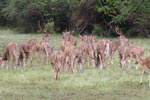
x: 81, y: 16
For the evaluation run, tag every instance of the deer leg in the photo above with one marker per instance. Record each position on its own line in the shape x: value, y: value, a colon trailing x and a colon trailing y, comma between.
x: 30, y: 56
x: 56, y: 75
x: 41, y: 55
x: 67, y: 63
x: 122, y: 63
x: 26, y: 58
x: 14, y: 63
x: 38, y: 55
x: 111, y: 57
x: 136, y: 66
x: 143, y: 71
x: 47, y: 57
x: 100, y: 60
x: 72, y: 66
x: 23, y: 62
x: 7, y: 64
x: 93, y: 63
x: 81, y: 67
x: 149, y: 78
x: 129, y: 63
x: 75, y: 65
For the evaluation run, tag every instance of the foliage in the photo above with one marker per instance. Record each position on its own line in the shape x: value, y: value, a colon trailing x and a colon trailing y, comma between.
x: 98, y: 30
x: 80, y: 15
x: 124, y: 13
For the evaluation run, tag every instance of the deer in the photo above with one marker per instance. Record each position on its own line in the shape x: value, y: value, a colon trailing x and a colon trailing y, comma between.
x: 103, y: 50
x: 28, y: 47
x: 122, y: 51
x: 128, y: 53
x: 91, y: 39
x: 68, y: 37
x: 115, y: 44
x: 12, y: 54
x: 72, y: 55
x: 44, y: 51
x: 84, y: 38
x: 145, y: 63
x: 65, y: 44
x: 57, y: 61
x: 88, y: 38
x: 84, y: 51
x: 42, y: 45
x: 88, y: 49
x: 84, y: 48
x: 92, y: 53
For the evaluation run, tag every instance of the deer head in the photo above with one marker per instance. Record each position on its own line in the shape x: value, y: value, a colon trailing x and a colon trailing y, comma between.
x: 118, y: 31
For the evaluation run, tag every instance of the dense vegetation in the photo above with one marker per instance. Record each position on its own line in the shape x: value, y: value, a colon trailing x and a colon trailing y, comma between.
x: 90, y: 16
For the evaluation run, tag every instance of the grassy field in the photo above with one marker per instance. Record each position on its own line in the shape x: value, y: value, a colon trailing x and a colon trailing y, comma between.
x: 37, y: 83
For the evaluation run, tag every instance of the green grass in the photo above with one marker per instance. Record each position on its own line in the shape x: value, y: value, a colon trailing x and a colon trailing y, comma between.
x: 37, y: 83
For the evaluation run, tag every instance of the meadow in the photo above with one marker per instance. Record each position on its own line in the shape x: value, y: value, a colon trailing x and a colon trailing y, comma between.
x: 37, y: 82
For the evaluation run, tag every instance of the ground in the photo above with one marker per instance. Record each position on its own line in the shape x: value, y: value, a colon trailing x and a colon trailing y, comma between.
x: 37, y: 83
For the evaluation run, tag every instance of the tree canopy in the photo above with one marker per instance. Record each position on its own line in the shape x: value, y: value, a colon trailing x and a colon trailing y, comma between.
x: 82, y: 16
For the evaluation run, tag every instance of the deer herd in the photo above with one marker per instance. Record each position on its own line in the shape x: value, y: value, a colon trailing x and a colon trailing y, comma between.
x: 96, y: 53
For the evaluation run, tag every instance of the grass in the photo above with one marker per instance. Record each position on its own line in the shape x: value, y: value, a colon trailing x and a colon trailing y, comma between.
x: 37, y: 83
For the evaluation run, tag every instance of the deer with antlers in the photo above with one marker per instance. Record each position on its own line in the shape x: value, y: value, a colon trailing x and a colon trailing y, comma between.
x: 145, y: 63
x: 115, y: 44
x: 43, y: 45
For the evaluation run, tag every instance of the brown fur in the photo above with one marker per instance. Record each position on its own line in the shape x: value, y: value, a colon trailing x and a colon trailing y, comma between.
x: 57, y: 62
x: 12, y: 54
x: 28, y: 47
x: 129, y: 52
x: 102, y: 52
x: 145, y: 63
x: 68, y: 37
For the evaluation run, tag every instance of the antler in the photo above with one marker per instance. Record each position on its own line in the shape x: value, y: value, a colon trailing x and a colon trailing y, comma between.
x: 118, y: 31
x: 43, y: 30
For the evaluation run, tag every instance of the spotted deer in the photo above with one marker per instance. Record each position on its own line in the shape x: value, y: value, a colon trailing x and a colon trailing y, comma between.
x: 56, y: 59
x: 88, y: 49
x: 116, y: 44
x: 68, y: 37
x: 128, y: 53
x: 145, y: 63
x: 42, y: 44
x: 103, y: 50
x: 12, y: 54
